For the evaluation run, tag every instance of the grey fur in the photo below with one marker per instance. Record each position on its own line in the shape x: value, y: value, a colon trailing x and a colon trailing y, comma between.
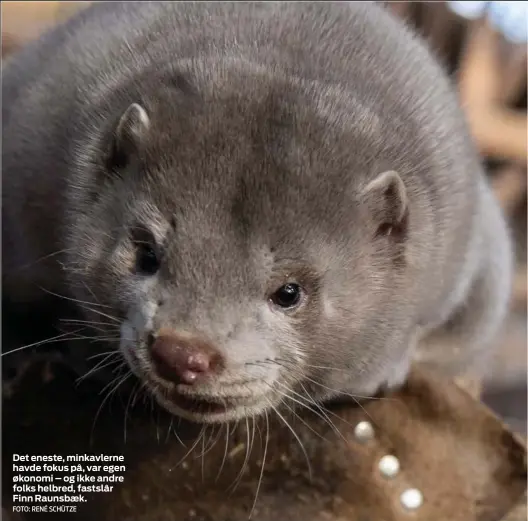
x: 266, y: 123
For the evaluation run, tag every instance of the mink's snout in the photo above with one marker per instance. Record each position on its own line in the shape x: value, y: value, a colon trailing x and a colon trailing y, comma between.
x: 183, y: 359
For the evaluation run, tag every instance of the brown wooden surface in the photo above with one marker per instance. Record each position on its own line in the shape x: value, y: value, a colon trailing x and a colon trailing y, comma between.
x: 466, y: 463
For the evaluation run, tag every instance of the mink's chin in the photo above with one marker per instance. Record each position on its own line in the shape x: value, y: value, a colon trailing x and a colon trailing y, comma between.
x: 210, y: 409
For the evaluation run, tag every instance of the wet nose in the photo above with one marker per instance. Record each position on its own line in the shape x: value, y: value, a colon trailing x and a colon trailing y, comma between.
x: 181, y: 359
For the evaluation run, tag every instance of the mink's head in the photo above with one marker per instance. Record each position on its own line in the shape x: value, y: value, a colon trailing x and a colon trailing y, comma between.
x: 245, y: 237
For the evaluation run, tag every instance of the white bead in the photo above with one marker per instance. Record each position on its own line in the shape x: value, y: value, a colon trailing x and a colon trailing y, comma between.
x: 389, y: 466
x: 364, y: 431
x: 411, y: 499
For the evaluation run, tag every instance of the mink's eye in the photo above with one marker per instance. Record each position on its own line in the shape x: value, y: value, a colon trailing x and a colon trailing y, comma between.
x: 147, y: 261
x: 147, y: 254
x: 287, y: 296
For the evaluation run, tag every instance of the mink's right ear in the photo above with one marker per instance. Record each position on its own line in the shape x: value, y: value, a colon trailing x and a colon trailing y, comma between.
x: 128, y: 137
x: 386, y: 198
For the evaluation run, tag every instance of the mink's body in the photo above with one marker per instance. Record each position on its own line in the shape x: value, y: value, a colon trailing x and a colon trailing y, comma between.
x: 252, y: 147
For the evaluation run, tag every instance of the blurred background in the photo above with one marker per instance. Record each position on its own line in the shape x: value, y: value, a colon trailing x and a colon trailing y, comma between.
x: 483, y: 47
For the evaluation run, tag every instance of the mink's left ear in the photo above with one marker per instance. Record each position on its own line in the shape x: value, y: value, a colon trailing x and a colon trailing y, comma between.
x: 386, y: 198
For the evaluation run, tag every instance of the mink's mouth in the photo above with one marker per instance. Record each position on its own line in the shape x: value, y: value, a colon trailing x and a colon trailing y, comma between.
x: 199, y: 404
x: 208, y: 409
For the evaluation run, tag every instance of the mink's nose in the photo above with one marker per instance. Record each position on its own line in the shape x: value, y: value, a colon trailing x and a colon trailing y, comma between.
x: 182, y: 360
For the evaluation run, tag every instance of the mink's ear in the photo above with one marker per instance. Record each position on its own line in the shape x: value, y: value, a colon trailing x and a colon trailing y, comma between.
x: 386, y: 198
x: 128, y: 137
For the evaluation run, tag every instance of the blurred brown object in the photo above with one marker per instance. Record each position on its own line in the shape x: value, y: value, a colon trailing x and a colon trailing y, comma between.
x: 520, y: 289
x: 509, y: 185
x: 499, y: 130
x: 492, y: 77
x: 25, y: 21
x: 519, y: 514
